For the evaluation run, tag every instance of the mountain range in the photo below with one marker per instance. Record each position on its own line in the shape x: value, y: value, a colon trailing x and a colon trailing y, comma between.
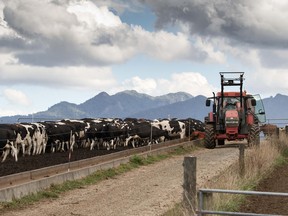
x: 130, y: 103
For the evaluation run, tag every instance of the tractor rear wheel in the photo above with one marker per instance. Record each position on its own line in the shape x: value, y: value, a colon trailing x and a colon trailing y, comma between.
x: 209, y: 140
x: 254, y: 135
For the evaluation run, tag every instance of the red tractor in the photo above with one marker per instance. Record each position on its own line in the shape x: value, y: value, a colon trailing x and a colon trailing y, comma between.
x: 235, y: 115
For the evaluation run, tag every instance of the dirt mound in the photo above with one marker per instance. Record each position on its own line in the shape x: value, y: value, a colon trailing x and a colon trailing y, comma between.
x: 276, y: 182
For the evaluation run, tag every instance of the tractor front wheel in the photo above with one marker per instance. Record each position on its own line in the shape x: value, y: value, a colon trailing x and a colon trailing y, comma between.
x: 209, y: 140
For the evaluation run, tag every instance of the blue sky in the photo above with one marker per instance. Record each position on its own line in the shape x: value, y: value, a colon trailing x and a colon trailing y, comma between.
x: 71, y: 50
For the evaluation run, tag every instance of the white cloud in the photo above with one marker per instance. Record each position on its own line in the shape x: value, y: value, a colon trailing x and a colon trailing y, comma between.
x: 16, y: 97
x: 141, y: 85
x: 69, y: 77
x: 82, y: 33
x: 190, y: 82
x: 267, y: 82
x: 92, y: 15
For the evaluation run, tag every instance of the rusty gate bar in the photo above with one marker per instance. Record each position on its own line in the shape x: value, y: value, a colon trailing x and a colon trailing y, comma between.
x: 202, y: 211
x: 278, y: 121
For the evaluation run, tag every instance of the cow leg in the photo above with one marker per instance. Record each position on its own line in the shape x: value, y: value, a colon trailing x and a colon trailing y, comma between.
x: 23, y: 148
x: 29, y: 142
x: 9, y: 146
x: 133, y: 143
x: 43, y: 146
x: 15, y: 152
x: 107, y: 145
x: 5, y: 154
x: 92, y: 144
x: 34, y: 144
x: 115, y: 144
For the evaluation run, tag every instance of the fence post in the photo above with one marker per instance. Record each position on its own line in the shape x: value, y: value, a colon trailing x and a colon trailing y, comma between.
x: 241, y: 160
x: 189, y: 186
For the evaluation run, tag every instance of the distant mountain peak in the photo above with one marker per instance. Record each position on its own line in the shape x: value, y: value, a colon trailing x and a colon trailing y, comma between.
x: 133, y: 93
x: 103, y: 94
x: 279, y: 95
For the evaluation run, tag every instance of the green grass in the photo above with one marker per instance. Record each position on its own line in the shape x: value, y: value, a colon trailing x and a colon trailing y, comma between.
x: 178, y: 210
x: 55, y: 190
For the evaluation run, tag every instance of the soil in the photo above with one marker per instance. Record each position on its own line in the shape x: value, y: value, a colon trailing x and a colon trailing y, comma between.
x: 148, y: 190
x: 276, y: 182
x: 27, y: 163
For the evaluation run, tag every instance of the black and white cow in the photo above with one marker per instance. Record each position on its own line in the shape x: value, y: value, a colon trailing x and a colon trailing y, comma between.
x: 105, y: 132
x: 24, y: 142
x: 60, y: 135
x: 7, y: 141
x: 193, y: 127
x: 39, y: 138
x: 79, y: 128
x: 176, y: 129
x: 115, y: 133
x: 94, y: 135
x: 31, y: 138
x: 141, y: 132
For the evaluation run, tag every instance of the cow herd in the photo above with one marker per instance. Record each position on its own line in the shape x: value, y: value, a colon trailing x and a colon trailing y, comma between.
x: 67, y: 134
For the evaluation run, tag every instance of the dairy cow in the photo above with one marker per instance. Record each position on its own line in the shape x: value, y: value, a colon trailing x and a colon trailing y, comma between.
x: 194, y: 128
x: 175, y: 129
x: 39, y: 138
x: 24, y: 142
x: 60, y: 135
x: 7, y: 141
x: 115, y: 133
x: 79, y: 128
x: 94, y: 135
x: 105, y: 132
x: 141, y: 132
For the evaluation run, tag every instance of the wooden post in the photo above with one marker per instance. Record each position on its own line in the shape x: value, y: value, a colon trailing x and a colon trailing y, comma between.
x: 241, y: 160
x: 189, y: 186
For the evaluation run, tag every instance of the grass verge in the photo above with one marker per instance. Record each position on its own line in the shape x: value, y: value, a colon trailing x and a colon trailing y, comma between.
x: 56, y: 190
x: 259, y: 163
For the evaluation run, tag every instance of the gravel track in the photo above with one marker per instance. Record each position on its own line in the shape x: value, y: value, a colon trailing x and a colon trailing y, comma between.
x: 148, y: 190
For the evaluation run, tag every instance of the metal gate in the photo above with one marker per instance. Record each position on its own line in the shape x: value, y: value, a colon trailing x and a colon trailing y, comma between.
x: 201, y: 211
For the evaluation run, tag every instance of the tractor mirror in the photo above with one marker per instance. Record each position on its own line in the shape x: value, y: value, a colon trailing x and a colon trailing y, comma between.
x: 208, y: 102
x: 253, y: 102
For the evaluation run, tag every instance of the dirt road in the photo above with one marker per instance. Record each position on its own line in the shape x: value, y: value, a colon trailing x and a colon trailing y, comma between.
x: 148, y: 190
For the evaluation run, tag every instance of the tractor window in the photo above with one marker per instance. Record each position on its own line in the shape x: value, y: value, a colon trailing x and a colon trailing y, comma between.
x: 230, y: 103
x: 259, y: 109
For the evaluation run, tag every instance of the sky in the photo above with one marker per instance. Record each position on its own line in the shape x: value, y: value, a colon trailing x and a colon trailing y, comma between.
x: 71, y: 50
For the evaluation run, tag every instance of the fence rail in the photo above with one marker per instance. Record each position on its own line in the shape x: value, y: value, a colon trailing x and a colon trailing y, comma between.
x: 201, y: 211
